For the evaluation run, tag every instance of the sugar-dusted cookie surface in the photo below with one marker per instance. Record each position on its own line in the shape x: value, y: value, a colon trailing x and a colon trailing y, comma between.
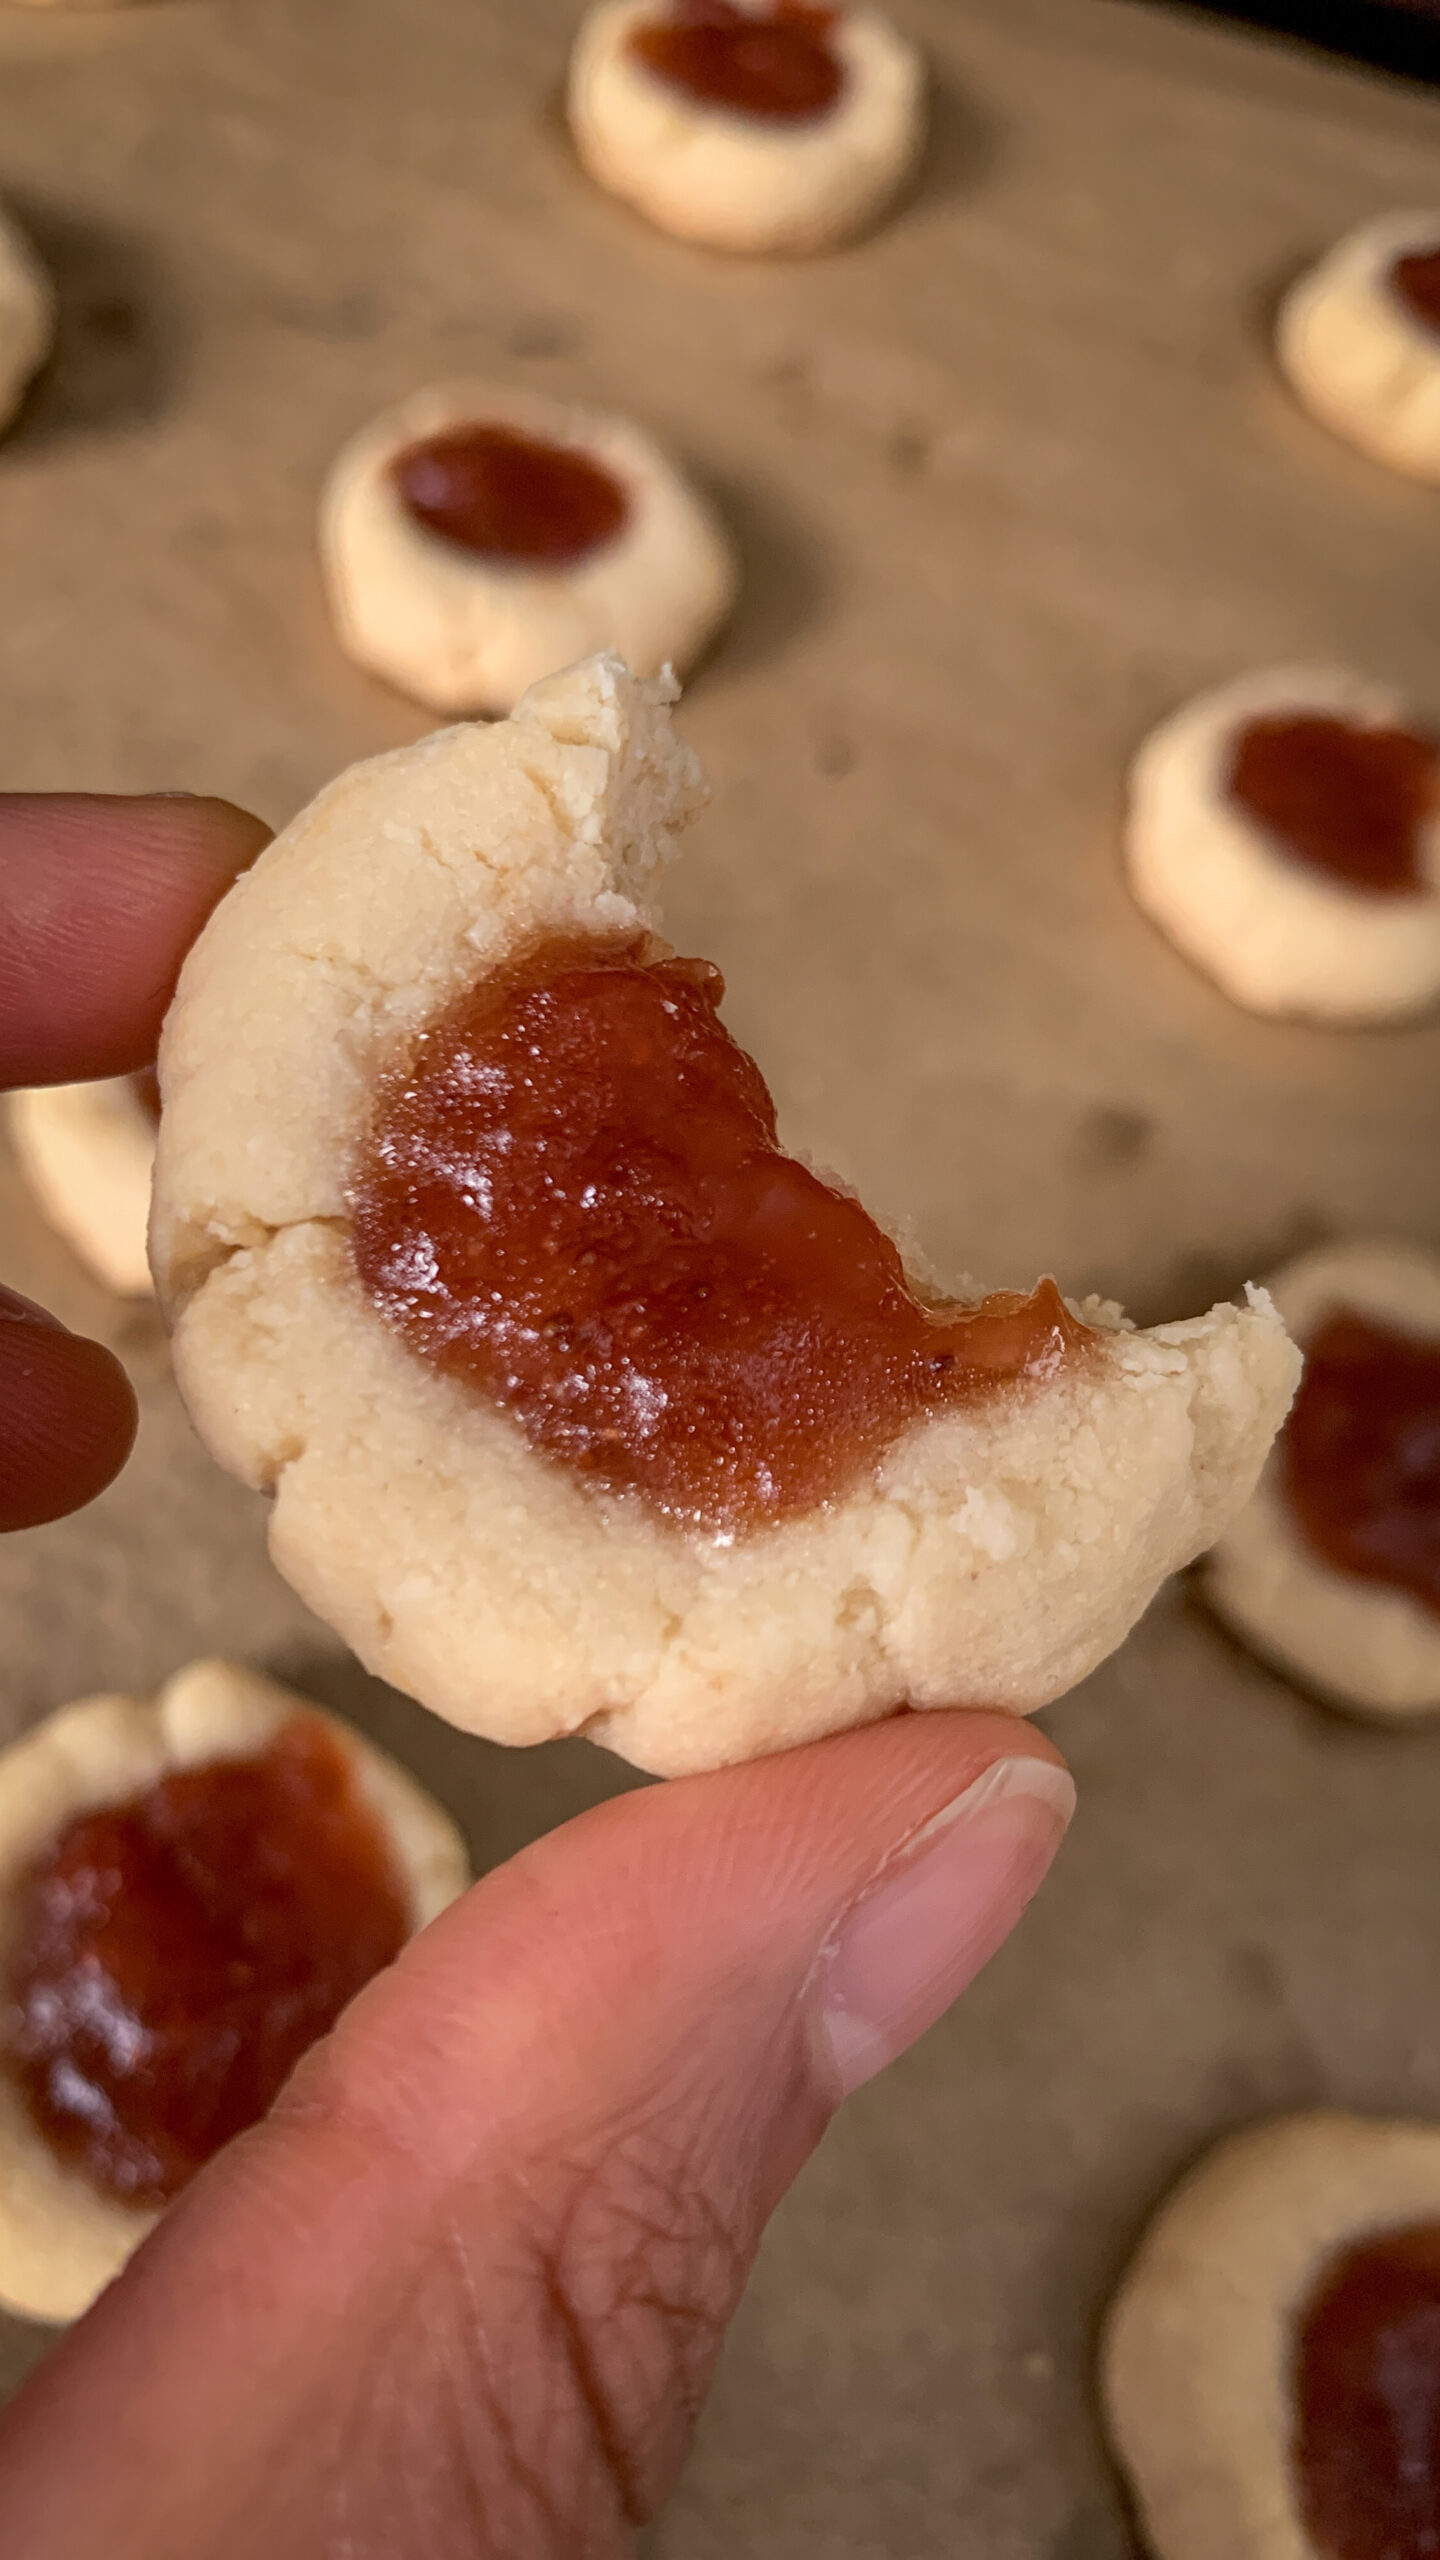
x: 770, y: 126
x: 993, y: 1550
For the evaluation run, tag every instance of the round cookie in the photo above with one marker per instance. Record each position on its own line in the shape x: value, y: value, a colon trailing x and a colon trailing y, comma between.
x: 1284, y: 832
x: 474, y: 539
x: 88, y: 1152
x: 1358, y: 338
x: 1364, y: 1642
x: 27, y: 316
x: 62, y: 2237
x: 995, y: 1551
x: 768, y: 126
x: 1243, y: 2433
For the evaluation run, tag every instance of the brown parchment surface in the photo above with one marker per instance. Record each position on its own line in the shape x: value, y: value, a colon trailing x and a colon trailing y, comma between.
x: 1011, y: 478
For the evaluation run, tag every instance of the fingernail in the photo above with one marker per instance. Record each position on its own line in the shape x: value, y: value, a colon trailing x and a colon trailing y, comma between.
x: 936, y: 1913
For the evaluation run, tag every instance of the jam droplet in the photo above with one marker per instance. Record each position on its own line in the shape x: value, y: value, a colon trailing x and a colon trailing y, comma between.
x: 1349, y: 802
x: 1361, y: 1454
x: 1416, y: 279
x: 177, y: 1953
x: 776, y: 63
x: 1366, y: 2379
x: 510, y: 497
x: 573, y: 1199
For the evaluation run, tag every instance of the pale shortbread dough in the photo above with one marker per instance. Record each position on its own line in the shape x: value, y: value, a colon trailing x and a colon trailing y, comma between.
x: 996, y: 1554
x: 88, y: 1151
x: 1364, y: 1645
x: 1358, y: 357
x: 732, y: 181
x: 1196, y: 2349
x: 1278, y: 935
x: 61, y: 2240
x: 466, y: 634
x: 27, y: 316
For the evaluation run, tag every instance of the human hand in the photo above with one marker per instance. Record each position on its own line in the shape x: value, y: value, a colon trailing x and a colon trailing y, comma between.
x: 462, y: 2293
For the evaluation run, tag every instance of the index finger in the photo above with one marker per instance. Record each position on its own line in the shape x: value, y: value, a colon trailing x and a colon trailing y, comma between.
x: 100, y: 899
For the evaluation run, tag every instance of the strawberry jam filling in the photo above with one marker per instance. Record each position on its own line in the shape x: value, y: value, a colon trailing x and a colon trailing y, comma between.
x: 1348, y: 802
x: 1366, y: 2383
x: 1360, y: 1453
x: 175, y: 1955
x: 572, y: 1199
x: 509, y: 497
x: 775, y: 62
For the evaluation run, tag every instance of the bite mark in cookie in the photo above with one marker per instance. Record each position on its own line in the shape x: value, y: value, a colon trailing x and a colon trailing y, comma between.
x: 573, y: 1197
x: 991, y: 1548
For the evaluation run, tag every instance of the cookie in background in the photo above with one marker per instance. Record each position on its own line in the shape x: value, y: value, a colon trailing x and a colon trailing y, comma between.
x: 192, y: 1887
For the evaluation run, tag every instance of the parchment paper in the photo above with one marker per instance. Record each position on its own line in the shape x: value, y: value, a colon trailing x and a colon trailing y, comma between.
x: 1011, y: 477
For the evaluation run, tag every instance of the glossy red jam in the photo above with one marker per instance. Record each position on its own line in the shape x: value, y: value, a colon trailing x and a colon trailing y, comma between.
x: 775, y: 62
x: 177, y: 1953
x: 1366, y: 2380
x: 1416, y: 279
x: 1349, y: 802
x: 510, y: 497
x: 573, y: 1199
x: 1361, y: 1454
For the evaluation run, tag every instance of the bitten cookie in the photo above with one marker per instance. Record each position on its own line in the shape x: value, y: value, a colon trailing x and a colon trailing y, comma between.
x: 1358, y: 338
x: 772, y: 126
x: 1332, y: 1570
x: 88, y: 1151
x: 191, y: 1888
x: 474, y: 539
x: 1271, y: 2365
x: 27, y: 316
x: 585, y: 1408
x: 1284, y: 831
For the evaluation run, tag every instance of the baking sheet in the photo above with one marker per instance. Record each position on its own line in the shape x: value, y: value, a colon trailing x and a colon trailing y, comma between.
x: 1011, y: 478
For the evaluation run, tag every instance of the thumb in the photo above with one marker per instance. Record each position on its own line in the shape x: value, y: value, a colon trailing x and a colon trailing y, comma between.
x: 464, y: 2291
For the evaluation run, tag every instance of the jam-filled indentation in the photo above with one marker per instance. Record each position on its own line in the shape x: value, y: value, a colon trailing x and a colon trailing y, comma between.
x: 1366, y: 2386
x: 509, y: 497
x: 1348, y: 802
x: 175, y: 1954
x: 1360, y: 1453
x: 1415, y: 278
x: 776, y: 62
x: 572, y: 1198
